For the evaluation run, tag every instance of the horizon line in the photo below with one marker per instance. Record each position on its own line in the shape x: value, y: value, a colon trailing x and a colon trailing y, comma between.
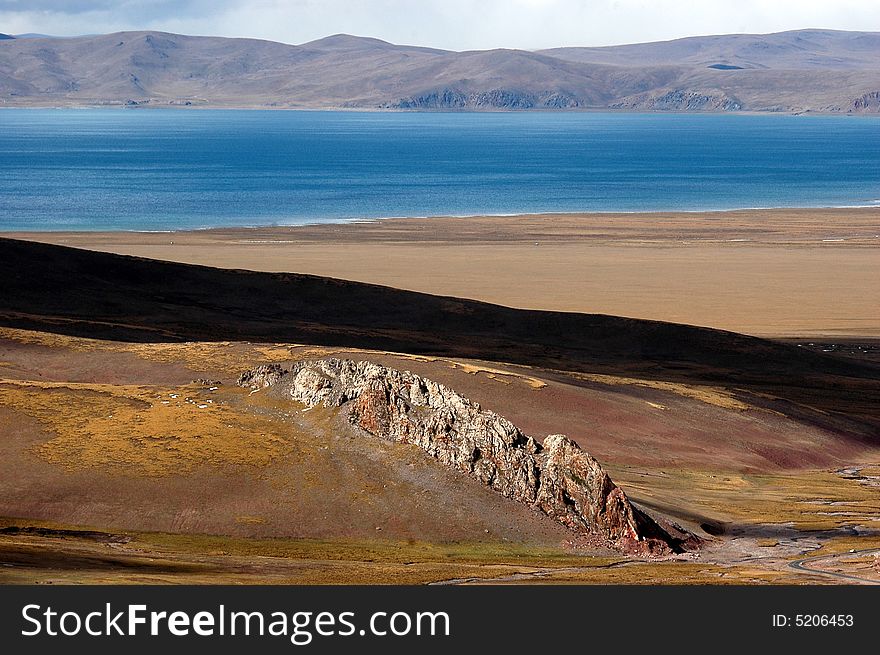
x: 38, y: 36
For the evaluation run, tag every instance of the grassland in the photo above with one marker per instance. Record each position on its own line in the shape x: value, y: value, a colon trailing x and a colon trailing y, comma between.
x: 154, y: 558
x: 134, y: 457
x: 197, y: 481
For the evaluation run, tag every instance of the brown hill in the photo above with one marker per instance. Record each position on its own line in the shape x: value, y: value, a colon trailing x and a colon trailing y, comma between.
x: 811, y: 70
x: 793, y: 50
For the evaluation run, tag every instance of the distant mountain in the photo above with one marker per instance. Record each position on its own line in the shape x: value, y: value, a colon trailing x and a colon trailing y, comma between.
x: 798, y: 50
x: 808, y: 70
x: 3, y: 37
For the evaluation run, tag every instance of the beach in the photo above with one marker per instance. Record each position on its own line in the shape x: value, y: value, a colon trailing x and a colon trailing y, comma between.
x: 797, y: 273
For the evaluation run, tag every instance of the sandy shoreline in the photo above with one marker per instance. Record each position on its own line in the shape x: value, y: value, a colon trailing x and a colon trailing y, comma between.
x: 786, y: 272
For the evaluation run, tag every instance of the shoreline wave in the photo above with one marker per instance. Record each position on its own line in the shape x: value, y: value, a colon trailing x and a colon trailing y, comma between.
x: 874, y: 204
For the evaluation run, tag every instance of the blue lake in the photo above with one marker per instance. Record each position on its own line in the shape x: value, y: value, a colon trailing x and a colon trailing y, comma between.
x: 177, y: 169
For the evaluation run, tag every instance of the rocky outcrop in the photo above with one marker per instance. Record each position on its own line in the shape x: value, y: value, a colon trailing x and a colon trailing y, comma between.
x: 869, y: 102
x: 490, y: 99
x: 680, y: 100
x: 442, y: 99
x: 262, y: 376
x: 558, y: 478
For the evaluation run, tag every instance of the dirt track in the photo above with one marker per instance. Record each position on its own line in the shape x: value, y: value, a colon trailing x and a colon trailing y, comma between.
x: 803, y: 565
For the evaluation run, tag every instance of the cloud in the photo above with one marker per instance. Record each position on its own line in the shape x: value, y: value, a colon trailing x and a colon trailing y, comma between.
x: 120, y: 8
x: 453, y: 24
x: 74, y: 7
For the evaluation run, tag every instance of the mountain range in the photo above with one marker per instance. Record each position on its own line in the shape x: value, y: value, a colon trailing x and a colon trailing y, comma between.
x: 799, y: 71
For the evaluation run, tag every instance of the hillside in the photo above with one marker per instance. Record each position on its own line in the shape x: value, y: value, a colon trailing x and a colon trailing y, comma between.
x: 809, y: 70
x: 99, y: 295
x: 796, y: 50
x: 330, y: 463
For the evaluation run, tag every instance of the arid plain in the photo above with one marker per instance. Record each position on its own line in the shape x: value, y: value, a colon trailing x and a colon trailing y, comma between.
x: 134, y: 456
x: 776, y: 273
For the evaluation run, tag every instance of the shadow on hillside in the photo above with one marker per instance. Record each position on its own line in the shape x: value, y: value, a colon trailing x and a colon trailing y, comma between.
x: 105, y: 296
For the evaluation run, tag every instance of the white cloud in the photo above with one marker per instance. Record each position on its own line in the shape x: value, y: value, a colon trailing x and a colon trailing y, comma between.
x: 454, y: 24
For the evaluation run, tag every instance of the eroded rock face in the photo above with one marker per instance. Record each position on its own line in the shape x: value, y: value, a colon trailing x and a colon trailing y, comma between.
x: 680, y: 100
x: 577, y: 491
x: 489, y: 99
x: 869, y: 102
x: 558, y: 478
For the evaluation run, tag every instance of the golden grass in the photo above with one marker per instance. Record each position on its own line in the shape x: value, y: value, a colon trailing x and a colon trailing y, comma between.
x: 202, y: 559
x: 143, y: 430
x: 197, y: 355
x: 806, y: 500
x: 844, y: 544
x: 498, y: 374
x: 417, y: 358
x: 219, y: 356
x: 716, y: 396
x: 151, y: 558
x: 156, y: 430
x: 670, y: 572
x: 35, y: 338
x: 181, y: 559
x: 250, y: 520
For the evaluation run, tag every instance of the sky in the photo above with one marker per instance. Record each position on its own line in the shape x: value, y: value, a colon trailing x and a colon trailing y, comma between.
x: 449, y: 24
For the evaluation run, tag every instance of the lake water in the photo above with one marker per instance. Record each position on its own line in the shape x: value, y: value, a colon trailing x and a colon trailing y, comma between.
x: 174, y: 169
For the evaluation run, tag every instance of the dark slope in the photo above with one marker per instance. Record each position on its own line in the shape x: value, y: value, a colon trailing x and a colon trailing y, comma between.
x: 129, y: 298
x: 106, y: 296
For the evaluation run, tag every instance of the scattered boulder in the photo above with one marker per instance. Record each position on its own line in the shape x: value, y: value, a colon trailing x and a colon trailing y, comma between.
x: 207, y: 382
x: 557, y: 478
